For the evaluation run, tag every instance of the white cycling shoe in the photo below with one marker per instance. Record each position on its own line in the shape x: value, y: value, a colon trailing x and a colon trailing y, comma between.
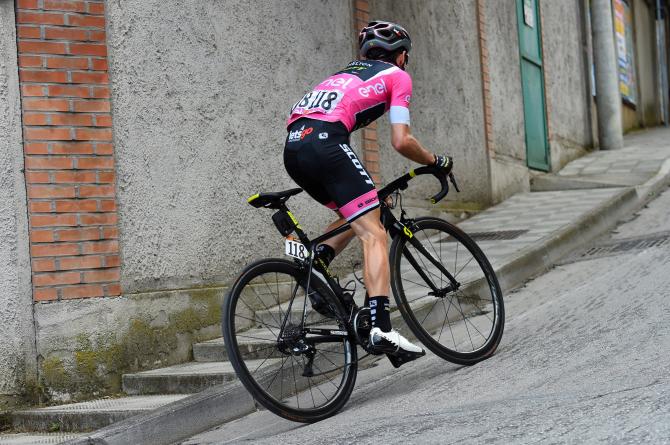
x: 392, y: 343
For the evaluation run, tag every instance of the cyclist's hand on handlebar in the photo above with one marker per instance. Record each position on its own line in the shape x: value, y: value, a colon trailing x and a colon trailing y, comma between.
x: 444, y: 162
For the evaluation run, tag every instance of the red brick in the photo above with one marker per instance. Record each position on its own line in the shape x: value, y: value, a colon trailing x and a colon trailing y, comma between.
x: 65, y: 5
x: 78, y: 205
x: 113, y: 290
x: 80, y: 262
x: 55, y: 249
x: 104, y: 148
x: 42, y: 236
x: 73, y: 176
x: 362, y: 5
x: 67, y: 62
x: 98, y: 219
x: 86, y: 21
x: 83, y: 234
x: 35, y: 119
x: 45, y: 105
x: 68, y: 91
x: 101, y: 247
x: 32, y: 90
x: 42, y: 76
x: 97, y: 106
x: 89, y: 134
x: 108, y: 205
x: 58, y: 33
x: 36, y: 148
x: 97, y: 8
x: 27, y: 4
x: 110, y: 233
x: 106, y: 177
x: 40, y: 206
x: 95, y: 163
x: 45, y: 294
x: 100, y: 92
x: 103, y: 120
x: 112, y: 261
x: 53, y: 220
x: 53, y: 134
x: 41, y: 47
x: 53, y: 279
x: 41, y: 18
x: 100, y: 276
x: 49, y: 163
x: 44, y: 265
x: 103, y: 191
x: 97, y: 36
x: 88, y: 49
x: 37, y: 177
x: 50, y: 191
x: 30, y: 61
x: 90, y: 77
x: 64, y: 148
x: 85, y: 291
x: 28, y: 32
x: 76, y: 120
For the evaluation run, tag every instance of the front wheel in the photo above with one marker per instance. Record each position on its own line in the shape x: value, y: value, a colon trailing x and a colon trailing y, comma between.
x: 296, y: 374
x: 447, y: 291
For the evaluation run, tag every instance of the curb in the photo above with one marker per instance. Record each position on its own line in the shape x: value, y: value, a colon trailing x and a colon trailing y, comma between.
x: 215, y: 406
x: 178, y: 420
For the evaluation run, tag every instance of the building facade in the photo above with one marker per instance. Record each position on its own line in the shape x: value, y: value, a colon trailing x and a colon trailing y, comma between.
x: 132, y: 132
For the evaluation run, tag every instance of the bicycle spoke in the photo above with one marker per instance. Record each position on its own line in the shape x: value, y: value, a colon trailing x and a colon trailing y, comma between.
x: 263, y: 303
x: 295, y: 382
x: 309, y: 383
x: 262, y: 363
x: 431, y: 310
x: 326, y: 376
x: 259, y: 322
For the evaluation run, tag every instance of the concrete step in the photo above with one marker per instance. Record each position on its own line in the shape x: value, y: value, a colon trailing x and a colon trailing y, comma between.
x: 255, y: 344
x: 87, y: 416
x: 36, y: 439
x: 187, y: 378
x: 272, y: 317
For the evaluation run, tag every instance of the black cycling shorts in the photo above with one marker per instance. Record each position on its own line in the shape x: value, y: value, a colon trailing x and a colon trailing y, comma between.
x: 318, y: 157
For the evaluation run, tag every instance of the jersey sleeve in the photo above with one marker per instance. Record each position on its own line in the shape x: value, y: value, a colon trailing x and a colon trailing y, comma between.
x: 401, y: 96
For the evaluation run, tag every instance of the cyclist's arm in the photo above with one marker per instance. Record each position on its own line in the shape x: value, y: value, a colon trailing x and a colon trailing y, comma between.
x: 408, y: 146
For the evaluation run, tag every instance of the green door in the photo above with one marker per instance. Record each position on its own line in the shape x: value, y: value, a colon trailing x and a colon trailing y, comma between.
x: 535, y: 117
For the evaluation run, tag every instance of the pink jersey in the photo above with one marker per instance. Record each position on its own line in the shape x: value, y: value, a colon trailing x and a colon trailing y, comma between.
x: 358, y: 95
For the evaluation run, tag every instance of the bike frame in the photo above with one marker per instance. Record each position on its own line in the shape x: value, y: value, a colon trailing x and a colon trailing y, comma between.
x: 394, y: 227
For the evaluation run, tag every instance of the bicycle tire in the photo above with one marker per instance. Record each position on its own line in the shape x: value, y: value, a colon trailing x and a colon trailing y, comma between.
x: 468, y: 302
x: 262, y: 385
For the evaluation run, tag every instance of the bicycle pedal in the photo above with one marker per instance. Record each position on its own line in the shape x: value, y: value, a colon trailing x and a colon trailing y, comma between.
x: 401, y: 357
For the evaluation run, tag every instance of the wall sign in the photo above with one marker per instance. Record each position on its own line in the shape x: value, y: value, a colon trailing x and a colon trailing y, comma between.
x: 623, y: 34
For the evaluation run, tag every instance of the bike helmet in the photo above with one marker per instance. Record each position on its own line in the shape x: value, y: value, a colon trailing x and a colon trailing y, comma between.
x: 386, y: 35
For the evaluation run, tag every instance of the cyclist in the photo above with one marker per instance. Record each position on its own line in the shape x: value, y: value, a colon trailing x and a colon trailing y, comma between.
x: 318, y: 157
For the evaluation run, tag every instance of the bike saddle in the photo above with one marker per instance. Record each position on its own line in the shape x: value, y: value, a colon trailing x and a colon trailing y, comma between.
x: 272, y: 200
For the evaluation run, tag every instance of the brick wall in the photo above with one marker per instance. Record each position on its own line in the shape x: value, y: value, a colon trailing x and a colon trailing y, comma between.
x: 69, y: 156
x: 486, y: 79
x: 370, y: 144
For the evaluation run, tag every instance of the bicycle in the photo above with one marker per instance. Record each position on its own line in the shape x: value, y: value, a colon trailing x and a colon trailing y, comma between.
x: 288, y: 354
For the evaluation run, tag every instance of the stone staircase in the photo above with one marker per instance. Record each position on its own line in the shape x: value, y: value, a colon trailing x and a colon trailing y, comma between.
x: 145, y: 391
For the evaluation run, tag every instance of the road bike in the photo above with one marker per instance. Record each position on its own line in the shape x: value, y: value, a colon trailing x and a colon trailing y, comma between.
x: 292, y: 331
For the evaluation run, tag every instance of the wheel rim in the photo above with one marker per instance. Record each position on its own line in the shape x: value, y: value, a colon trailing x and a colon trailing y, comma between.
x: 274, y: 367
x: 462, y: 321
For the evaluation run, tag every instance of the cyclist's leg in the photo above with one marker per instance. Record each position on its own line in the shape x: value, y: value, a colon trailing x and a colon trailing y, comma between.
x: 368, y: 228
x: 339, y: 242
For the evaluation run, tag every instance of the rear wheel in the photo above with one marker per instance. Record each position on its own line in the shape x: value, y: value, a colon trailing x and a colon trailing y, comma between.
x: 460, y: 321
x: 299, y: 376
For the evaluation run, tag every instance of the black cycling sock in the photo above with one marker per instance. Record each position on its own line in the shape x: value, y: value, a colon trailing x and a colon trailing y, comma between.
x: 325, y: 253
x: 379, y: 313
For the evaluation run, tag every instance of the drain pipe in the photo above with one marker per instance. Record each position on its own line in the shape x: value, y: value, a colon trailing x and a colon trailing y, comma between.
x: 662, y: 64
x: 608, y: 98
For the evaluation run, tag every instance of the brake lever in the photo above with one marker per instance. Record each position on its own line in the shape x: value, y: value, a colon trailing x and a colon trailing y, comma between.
x: 452, y: 179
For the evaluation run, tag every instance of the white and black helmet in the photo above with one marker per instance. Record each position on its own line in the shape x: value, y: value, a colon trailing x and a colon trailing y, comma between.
x: 386, y: 35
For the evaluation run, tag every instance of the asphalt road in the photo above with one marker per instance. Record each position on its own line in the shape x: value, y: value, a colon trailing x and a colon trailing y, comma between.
x: 585, y: 359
